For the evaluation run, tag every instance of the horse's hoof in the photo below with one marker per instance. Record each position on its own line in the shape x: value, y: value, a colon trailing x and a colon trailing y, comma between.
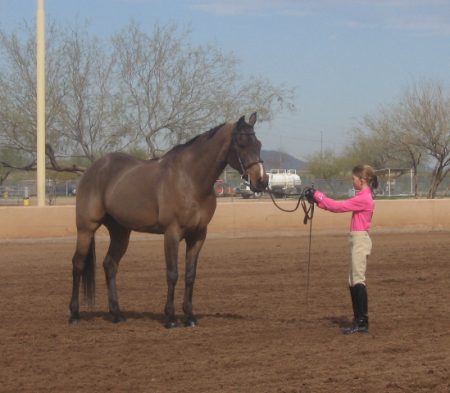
x: 119, y: 318
x: 171, y: 325
x: 74, y: 318
x: 191, y: 323
x: 73, y: 321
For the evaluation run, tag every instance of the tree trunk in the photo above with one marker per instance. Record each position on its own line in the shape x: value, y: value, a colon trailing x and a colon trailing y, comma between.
x: 446, y: 191
x: 3, y: 178
x: 416, y: 182
x: 436, y: 179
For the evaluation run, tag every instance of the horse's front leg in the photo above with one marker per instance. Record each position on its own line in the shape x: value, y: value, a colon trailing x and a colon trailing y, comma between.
x: 171, y: 246
x: 193, y: 246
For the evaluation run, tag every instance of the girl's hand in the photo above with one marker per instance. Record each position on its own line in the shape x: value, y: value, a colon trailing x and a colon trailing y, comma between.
x: 309, y: 192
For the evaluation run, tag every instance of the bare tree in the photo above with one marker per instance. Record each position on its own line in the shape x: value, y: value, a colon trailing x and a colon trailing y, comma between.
x: 131, y: 92
x: 390, y: 135
x: 92, y: 118
x: 176, y: 90
x: 412, y: 131
x: 84, y: 115
x: 18, y: 92
x: 426, y: 114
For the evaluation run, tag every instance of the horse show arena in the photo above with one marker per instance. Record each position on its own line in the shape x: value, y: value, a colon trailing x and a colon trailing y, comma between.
x: 256, y: 334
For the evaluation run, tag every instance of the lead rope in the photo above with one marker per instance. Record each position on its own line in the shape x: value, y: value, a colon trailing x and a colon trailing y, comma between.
x: 309, y: 214
x: 309, y: 254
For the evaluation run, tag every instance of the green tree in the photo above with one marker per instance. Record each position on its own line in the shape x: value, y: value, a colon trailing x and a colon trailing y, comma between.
x: 9, y: 156
x: 327, y: 165
x: 4, y: 173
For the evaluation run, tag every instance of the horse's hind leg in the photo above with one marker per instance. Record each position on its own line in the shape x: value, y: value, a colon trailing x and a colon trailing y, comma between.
x: 193, y: 247
x: 83, y: 263
x: 120, y: 237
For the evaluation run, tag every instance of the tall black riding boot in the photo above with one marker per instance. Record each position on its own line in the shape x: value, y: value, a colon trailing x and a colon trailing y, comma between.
x: 359, y: 301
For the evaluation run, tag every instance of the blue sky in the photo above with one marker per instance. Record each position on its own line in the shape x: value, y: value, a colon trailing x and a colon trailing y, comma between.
x: 346, y: 57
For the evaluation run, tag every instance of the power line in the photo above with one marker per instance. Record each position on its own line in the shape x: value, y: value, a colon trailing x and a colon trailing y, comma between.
x: 328, y: 140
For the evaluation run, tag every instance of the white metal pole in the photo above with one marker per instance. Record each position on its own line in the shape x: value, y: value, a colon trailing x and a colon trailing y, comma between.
x: 389, y: 181
x: 321, y: 134
x: 40, y: 88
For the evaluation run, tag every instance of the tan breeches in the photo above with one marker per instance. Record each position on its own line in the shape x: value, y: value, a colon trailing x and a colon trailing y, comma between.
x: 361, y: 245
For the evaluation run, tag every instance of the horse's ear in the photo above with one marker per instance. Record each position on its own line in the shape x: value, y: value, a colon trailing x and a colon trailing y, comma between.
x: 252, y: 119
x: 240, y: 122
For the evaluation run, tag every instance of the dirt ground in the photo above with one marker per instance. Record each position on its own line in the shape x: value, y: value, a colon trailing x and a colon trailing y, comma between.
x: 256, y: 334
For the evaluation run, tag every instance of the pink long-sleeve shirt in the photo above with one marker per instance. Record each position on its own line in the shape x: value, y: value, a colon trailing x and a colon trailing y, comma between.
x: 361, y: 205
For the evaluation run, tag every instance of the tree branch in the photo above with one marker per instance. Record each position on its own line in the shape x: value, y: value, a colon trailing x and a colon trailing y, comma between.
x: 29, y: 167
x: 58, y: 168
x: 3, y: 178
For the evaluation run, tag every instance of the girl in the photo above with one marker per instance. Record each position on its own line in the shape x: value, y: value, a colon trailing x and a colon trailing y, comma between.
x: 364, y: 180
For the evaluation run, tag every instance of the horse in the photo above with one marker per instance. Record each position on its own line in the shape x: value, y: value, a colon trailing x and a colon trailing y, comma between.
x: 172, y: 195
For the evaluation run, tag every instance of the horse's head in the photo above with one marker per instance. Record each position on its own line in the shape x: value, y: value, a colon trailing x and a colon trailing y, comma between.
x: 244, y: 154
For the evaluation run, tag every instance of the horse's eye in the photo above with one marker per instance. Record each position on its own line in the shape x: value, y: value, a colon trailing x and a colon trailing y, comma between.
x: 242, y: 146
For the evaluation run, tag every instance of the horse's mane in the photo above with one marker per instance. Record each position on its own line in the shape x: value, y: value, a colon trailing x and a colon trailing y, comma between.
x: 207, y: 135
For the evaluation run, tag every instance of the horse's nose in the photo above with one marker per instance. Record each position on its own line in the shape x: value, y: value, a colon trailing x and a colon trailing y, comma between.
x: 262, y: 182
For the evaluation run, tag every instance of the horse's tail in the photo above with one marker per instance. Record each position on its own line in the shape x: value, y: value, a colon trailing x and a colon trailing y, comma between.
x: 88, y: 276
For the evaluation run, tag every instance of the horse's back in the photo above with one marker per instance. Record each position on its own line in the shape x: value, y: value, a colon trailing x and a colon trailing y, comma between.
x: 103, y: 172
x: 108, y: 185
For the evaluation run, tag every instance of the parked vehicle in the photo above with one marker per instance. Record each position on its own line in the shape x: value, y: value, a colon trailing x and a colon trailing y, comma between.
x: 222, y: 189
x: 244, y: 191
x: 287, y: 181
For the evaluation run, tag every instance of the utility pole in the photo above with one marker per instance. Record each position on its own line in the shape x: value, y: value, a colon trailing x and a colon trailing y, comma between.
x: 280, y: 152
x: 40, y: 99
x: 321, y: 135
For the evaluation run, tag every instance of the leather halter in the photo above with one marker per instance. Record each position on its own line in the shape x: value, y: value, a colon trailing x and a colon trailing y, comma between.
x: 244, y: 168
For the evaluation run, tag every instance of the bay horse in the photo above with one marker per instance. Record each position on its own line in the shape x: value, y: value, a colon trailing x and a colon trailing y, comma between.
x: 172, y: 195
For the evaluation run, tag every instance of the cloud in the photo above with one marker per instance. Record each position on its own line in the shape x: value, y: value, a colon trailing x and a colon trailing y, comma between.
x: 421, y: 16
x: 428, y: 24
x: 432, y: 19
x: 241, y: 7
x: 230, y: 7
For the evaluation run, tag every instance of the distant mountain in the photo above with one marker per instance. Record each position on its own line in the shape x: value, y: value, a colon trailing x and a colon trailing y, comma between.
x: 276, y: 160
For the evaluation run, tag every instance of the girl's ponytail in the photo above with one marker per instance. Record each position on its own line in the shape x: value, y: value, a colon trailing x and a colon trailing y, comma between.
x: 374, y: 184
